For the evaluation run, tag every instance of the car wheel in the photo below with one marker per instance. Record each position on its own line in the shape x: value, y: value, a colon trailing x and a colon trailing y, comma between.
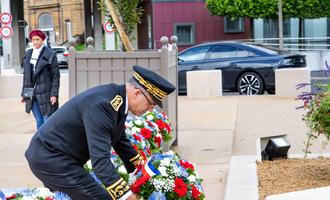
x: 250, y: 83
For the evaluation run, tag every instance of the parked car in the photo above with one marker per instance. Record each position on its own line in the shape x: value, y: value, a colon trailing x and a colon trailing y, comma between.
x: 246, y: 68
x: 62, y: 55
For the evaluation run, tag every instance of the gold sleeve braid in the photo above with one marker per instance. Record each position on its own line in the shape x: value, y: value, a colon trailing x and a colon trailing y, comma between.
x: 136, y: 160
x: 118, y: 189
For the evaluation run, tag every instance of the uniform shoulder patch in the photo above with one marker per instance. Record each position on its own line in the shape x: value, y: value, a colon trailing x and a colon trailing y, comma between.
x: 116, y: 102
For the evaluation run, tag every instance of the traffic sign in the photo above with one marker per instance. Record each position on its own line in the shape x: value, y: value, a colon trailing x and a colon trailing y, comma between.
x: 6, y: 31
x: 108, y: 27
x: 6, y: 18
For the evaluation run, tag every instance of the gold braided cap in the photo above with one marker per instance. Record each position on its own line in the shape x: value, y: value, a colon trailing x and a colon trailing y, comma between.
x: 151, y: 88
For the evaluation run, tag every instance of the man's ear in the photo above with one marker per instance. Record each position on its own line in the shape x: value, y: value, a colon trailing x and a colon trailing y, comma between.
x: 136, y: 92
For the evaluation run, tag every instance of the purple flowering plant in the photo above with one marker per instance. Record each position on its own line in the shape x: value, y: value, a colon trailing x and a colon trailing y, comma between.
x: 316, y: 105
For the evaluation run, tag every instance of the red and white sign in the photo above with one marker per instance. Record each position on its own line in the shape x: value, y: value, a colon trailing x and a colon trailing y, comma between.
x: 6, y: 18
x: 6, y: 31
x: 108, y: 27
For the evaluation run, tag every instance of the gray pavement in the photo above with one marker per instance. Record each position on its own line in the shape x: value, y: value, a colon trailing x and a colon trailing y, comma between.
x: 210, y: 131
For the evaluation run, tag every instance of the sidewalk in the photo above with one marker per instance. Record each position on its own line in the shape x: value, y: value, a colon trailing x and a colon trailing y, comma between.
x: 210, y: 131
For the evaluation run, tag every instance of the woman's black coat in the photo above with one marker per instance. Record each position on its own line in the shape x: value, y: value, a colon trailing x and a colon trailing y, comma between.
x: 46, y: 79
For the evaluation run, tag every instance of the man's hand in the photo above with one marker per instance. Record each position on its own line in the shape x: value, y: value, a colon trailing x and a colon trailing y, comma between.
x: 53, y: 100
x: 22, y: 100
x: 133, y: 197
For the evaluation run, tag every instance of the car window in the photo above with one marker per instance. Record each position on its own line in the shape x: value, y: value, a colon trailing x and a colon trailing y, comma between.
x: 222, y: 51
x: 197, y: 53
x: 264, y: 49
x: 59, y: 50
x: 244, y: 53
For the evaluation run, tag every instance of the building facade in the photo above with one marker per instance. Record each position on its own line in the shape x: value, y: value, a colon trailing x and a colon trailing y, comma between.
x: 190, y: 20
x: 59, y: 19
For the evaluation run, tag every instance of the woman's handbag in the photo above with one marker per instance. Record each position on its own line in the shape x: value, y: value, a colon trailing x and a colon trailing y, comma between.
x: 28, y: 105
x: 28, y: 92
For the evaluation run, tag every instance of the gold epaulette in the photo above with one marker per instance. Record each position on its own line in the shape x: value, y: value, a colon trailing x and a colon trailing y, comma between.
x: 136, y: 160
x: 118, y: 189
x: 116, y: 102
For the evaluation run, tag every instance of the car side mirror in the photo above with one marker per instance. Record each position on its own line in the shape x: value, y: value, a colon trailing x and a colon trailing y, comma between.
x: 180, y: 60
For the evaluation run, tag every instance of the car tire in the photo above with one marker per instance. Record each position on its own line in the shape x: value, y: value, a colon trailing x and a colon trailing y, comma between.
x: 250, y: 83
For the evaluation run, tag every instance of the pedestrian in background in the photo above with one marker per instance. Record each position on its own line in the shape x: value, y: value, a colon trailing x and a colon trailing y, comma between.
x: 41, y: 79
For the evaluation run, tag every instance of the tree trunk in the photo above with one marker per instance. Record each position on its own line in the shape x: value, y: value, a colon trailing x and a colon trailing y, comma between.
x: 119, y: 26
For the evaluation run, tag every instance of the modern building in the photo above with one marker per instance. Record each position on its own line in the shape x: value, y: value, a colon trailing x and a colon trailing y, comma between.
x: 190, y: 21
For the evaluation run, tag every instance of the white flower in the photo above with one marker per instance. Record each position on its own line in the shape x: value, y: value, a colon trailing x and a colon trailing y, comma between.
x: 27, y: 198
x: 150, y: 117
x: 122, y: 169
x: 165, y: 162
x: 44, y: 192
x: 136, y: 130
x: 162, y: 170
x: 192, y: 178
x: 138, y: 122
x: 89, y: 164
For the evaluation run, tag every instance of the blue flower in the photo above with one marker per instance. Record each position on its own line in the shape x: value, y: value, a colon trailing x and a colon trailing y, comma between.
x: 61, y: 196
x: 95, y: 177
x: 157, y: 196
x: 2, y: 196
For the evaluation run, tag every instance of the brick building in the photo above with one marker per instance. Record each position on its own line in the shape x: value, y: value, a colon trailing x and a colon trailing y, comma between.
x: 59, y: 19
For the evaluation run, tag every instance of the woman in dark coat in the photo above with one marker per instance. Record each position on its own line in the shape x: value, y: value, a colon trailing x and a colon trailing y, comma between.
x: 41, y: 72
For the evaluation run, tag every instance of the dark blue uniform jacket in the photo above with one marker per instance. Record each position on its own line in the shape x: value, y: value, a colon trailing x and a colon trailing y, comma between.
x: 84, y: 128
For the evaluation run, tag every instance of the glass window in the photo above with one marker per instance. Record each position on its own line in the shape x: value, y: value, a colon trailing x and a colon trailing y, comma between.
x: 222, y: 51
x: 46, y: 21
x: 197, y: 53
x: 185, y: 33
x: 233, y: 25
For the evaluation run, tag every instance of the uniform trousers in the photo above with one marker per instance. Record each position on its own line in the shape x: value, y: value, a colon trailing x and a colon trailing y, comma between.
x: 75, y: 182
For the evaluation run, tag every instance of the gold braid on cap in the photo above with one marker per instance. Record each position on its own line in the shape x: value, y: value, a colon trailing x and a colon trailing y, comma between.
x: 152, y: 89
x: 118, y: 189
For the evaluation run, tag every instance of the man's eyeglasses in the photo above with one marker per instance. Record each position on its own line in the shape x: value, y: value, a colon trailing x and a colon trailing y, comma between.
x: 149, y: 102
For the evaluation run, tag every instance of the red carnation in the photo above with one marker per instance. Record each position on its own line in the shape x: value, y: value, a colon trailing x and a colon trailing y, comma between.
x: 180, y: 188
x: 195, y: 192
x: 158, y: 140
x: 146, y: 133
x: 49, y: 198
x: 143, y: 155
x: 135, y: 147
x: 187, y: 165
x: 160, y: 124
x: 137, y: 137
x: 168, y: 128
x: 150, y: 124
x: 138, y: 183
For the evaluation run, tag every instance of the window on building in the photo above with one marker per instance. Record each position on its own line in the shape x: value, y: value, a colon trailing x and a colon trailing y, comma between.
x: 46, y: 21
x: 185, y: 33
x: 271, y: 28
x: 233, y: 25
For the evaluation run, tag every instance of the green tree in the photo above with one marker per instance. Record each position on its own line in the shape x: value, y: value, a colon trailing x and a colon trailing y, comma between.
x: 302, y: 9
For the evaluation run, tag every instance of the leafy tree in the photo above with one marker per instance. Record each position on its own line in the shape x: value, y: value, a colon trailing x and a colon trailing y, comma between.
x: 302, y: 9
x: 125, y: 15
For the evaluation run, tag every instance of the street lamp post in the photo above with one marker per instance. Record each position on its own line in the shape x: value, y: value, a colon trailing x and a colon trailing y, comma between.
x: 280, y: 24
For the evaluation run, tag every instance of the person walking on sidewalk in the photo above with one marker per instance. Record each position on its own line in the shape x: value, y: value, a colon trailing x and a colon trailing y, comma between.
x: 41, y: 79
x: 87, y: 127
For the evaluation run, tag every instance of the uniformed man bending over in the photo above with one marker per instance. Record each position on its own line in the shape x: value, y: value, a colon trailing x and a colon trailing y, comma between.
x: 86, y: 127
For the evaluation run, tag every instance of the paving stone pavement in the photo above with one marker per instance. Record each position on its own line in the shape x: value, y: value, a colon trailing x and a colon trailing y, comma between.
x: 210, y: 131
